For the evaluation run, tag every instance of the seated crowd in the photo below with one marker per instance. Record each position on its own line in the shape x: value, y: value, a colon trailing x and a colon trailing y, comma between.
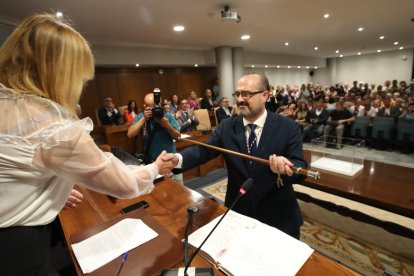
x: 331, y: 111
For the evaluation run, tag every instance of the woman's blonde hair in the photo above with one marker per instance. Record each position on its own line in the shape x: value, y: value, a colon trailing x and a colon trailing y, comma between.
x: 45, y: 56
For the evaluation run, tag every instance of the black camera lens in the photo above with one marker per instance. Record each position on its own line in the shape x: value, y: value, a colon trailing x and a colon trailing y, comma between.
x: 158, y: 112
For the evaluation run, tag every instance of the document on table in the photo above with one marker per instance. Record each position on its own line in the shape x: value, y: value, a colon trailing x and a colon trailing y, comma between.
x: 245, y: 246
x: 100, y: 249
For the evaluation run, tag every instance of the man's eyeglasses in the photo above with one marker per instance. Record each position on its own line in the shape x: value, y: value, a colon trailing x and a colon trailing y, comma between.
x: 245, y: 94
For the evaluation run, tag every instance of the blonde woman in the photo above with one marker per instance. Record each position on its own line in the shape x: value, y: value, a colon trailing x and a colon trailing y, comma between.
x: 45, y: 148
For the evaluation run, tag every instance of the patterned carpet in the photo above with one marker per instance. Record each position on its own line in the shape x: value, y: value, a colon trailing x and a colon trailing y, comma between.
x: 351, y: 250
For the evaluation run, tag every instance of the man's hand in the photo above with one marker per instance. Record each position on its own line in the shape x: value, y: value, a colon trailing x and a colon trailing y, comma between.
x: 165, y: 163
x: 279, y: 164
x: 171, y: 157
x: 75, y: 198
x: 148, y: 113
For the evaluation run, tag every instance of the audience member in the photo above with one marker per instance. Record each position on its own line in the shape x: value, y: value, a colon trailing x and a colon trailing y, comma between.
x: 186, y: 118
x: 316, y: 118
x: 301, y: 114
x: 225, y: 110
x: 174, y: 104
x: 193, y: 101
x: 338, y: 119
x: 389, y: 111
x: 131, y: 112
x: 109, y: 114
x: 208, y: 102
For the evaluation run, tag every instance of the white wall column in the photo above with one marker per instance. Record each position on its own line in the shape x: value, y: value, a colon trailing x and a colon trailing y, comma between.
x: 225, y: 71
x: 238, y: 64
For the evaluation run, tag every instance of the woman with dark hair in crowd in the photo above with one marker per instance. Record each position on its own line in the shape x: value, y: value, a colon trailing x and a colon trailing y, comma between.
x: 131, y: 112
x: 174, y: 105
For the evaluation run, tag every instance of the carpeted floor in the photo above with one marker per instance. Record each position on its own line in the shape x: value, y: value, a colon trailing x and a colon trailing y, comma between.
x: 367, y: 249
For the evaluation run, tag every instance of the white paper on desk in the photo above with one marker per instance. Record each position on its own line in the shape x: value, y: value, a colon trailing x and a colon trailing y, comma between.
x: 109, y: 244
x: 245, y: 246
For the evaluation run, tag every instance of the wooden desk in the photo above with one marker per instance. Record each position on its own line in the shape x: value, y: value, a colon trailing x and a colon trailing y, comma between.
x: 116, y: 135
x: 168, y: 204
x: 385, y: 186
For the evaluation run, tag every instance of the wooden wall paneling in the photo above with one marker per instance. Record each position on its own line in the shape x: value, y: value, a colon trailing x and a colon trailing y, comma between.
x: 108, y: 86
x: 90, y: 101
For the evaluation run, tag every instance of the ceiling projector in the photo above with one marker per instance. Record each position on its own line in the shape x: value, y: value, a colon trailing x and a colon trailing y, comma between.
x: 229, y: 15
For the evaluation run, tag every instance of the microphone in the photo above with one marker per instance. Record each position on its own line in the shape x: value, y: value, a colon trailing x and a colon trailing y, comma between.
x: 190, y: 212
x: 205, y: 271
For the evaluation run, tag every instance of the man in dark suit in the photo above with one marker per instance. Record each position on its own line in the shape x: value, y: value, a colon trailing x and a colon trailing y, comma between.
x: 109, y: 114
x: 272, y: 137
x: 224, y: 111
x: 208, y: 102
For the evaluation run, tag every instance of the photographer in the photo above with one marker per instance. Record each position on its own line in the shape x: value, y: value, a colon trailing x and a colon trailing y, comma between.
x: 158, y: 128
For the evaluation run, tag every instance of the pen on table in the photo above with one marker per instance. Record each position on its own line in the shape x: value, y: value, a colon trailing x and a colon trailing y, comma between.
x: 124, y: 257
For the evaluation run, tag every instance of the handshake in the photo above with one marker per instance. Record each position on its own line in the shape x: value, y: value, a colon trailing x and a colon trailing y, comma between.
x: 166, y: 162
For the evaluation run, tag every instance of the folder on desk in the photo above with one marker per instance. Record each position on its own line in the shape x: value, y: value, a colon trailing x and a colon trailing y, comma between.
x: 147, y: 259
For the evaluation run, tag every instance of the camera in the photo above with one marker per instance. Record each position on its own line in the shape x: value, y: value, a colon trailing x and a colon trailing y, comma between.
x: 157, y: 110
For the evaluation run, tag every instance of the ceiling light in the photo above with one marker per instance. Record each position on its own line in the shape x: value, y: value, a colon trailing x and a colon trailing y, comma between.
x: 337, y: 51
x: 341, y: 56
x: 178, y: 28
x: 401, y: 48
x: 326, y: 15
x: 378, y: 51
x: 359, y: 53
x: 59, y: 14
x: 289, y: 66
x: 137, y: 65
x: 298, y: 67
x: 266, y: 66
x: 360, y: 29
x: 195, y: 65
x: 381, y: 37
x: 307, y: 67
x: 316, y: 48
x: 286, y: 43
x: 252, y: 66
x: 396, y: 43
x: 245, y: 37
x: 316, y: 67
x: 278, y: 66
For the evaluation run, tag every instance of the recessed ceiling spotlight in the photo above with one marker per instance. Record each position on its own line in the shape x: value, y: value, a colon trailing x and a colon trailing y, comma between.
x: 307, y: 67
x: 245, y: 37
x: 316, y: 67
x: 278, y: 66
x: 396, y: 43
x: 289, y: 66
x: 316, y: 48
x: 266, y: 66
x: 401, y: 48
x: 359, y: 53
x: 381, y: 37
x: 59, y: 14
x: 252, y: 66
x: 286, y: 43
x: 341, y: 56
x: 298, y: 67
x: 196, y: 65
x: 179, y: 28
x: 378, y: 51
x: 360, y: 29
x: 137, y: 65
x: 326, y: 15
x: 337, y: 51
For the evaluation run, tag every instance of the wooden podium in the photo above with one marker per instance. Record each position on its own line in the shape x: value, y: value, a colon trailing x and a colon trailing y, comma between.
x: 168, y: 204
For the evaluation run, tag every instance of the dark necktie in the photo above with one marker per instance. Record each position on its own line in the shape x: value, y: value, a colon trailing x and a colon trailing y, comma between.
x: 252, y: 146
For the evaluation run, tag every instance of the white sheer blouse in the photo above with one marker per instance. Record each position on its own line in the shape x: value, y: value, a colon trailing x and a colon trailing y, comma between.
x: 44, y: 151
